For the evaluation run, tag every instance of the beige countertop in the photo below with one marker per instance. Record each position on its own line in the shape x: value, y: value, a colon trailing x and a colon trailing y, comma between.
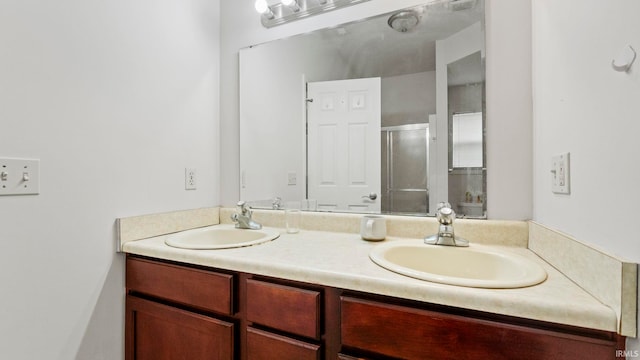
x: 341, y: 260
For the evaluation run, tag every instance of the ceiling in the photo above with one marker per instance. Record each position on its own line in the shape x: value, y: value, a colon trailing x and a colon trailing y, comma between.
x: 375, y: 49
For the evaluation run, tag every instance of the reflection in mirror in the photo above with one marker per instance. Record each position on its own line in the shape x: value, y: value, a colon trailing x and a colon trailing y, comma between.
x: 405, y: 163
x: 467, y: 140
x: 467, y: 180
x: 360, y: 117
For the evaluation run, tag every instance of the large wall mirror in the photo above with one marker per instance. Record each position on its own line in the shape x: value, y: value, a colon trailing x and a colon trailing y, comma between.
x: 382, y: 115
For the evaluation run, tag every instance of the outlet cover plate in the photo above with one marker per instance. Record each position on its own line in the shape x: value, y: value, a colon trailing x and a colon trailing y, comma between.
x: 190, y: 179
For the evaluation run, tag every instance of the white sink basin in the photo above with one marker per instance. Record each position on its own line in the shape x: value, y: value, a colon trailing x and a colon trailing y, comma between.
x: 475, y: 266
x: 220, y: 237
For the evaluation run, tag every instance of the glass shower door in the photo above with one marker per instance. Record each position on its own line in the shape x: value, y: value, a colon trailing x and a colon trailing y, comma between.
x: 405, y: 164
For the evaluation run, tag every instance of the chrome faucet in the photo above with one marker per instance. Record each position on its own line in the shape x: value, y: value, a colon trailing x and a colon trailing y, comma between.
x: 446, y: 235
x: 276, y: 204
x: 243, y: 217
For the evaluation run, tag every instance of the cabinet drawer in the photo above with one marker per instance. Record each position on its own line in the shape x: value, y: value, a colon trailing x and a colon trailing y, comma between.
x: 198, y: 288
x: 409, y: 333
x: 264, y: 345
x: 284, y: 308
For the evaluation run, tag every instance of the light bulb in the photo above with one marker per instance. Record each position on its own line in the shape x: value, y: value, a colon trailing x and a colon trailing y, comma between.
x: 291, y: 4
x: 261, y: 6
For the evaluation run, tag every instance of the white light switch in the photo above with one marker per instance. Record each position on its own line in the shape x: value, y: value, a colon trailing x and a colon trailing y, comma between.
x: 19, y: 176
x: 292, y: 178
x: 560, y: 174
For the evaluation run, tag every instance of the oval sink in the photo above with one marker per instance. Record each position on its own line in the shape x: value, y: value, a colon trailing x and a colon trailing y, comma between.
x: 473, y: 266
x: 220, y: 237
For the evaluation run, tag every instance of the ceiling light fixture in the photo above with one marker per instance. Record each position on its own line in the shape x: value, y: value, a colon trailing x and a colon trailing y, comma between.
x: 291, y: 4
x: 404, y: 21
x: 262, y: 7
x: 284, y: 11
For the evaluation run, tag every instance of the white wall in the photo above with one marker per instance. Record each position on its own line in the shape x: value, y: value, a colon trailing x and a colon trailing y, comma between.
x: 408, y: 99
x: 582, y: 106
x: 273, y: 122
x: 507, y: 90
x: 115, y: 98
x: 508, y: 97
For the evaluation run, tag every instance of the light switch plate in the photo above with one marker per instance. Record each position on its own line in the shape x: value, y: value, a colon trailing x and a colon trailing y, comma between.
x: 560, y: 174
x: 292, y: 178
x: 19, y: 176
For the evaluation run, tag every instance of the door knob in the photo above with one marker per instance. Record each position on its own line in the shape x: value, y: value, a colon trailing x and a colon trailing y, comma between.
x: 371, y: 196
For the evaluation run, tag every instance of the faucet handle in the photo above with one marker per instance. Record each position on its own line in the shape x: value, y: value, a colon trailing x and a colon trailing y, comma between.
x: 445, y: 213
x: 243, y: 208
x: 277, y: 203
x: 443, y: 204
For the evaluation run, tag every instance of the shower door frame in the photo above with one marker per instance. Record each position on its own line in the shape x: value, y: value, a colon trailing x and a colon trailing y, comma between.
x: 389, y: 189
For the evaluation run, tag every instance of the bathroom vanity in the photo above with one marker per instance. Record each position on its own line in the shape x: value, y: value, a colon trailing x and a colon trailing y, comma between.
x: 184, y: 311
x: 317, y: 295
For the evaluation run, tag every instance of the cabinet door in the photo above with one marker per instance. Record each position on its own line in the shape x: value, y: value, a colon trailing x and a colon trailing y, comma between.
x: 160, y: 332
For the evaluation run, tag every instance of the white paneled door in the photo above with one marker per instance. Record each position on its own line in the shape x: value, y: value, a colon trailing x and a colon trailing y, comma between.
x: 343, y: 146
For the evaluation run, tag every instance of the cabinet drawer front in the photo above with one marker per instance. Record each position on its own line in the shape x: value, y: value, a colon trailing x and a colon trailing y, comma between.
x: 198, y: 288
x: 156, y: 331
x: 408, y: 333
x: 262, y: 345
x: 284, y: 308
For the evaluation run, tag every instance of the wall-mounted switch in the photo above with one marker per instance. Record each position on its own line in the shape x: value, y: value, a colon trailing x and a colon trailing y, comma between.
x: 190, y: 179
x: 560, y: 174
x: 19, y: 176
x: 292, y: 178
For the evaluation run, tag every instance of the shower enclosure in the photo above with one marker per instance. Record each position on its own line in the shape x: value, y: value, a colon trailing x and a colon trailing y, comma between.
x: 405, y: 164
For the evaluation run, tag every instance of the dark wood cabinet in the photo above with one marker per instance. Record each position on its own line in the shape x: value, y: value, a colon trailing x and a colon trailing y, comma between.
x: 179, y: 311
x: 171, y: 312
x: 159, y: 332
x: 196, y: 288
x: 289, y: 318
x: 264, y: 345
x: 285, y: 308
x: 410, y: 333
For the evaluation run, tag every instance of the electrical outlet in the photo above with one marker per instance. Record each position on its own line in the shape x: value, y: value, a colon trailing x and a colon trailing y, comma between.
x: 560, y: 174
x: 190, y: 179
x: 19, y: 176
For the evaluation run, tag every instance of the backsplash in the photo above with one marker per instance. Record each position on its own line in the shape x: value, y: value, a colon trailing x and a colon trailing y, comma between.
x: 146, y: 226
x: 609, y: 279
x: 508, y: 233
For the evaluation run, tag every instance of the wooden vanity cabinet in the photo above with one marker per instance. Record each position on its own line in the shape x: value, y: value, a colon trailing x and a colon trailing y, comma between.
x: 198, y: 288
x: 159, y: 332
x: 265, y: 345
x: 285, y: 320
x: 176, y: 311
x: 378, y: 329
